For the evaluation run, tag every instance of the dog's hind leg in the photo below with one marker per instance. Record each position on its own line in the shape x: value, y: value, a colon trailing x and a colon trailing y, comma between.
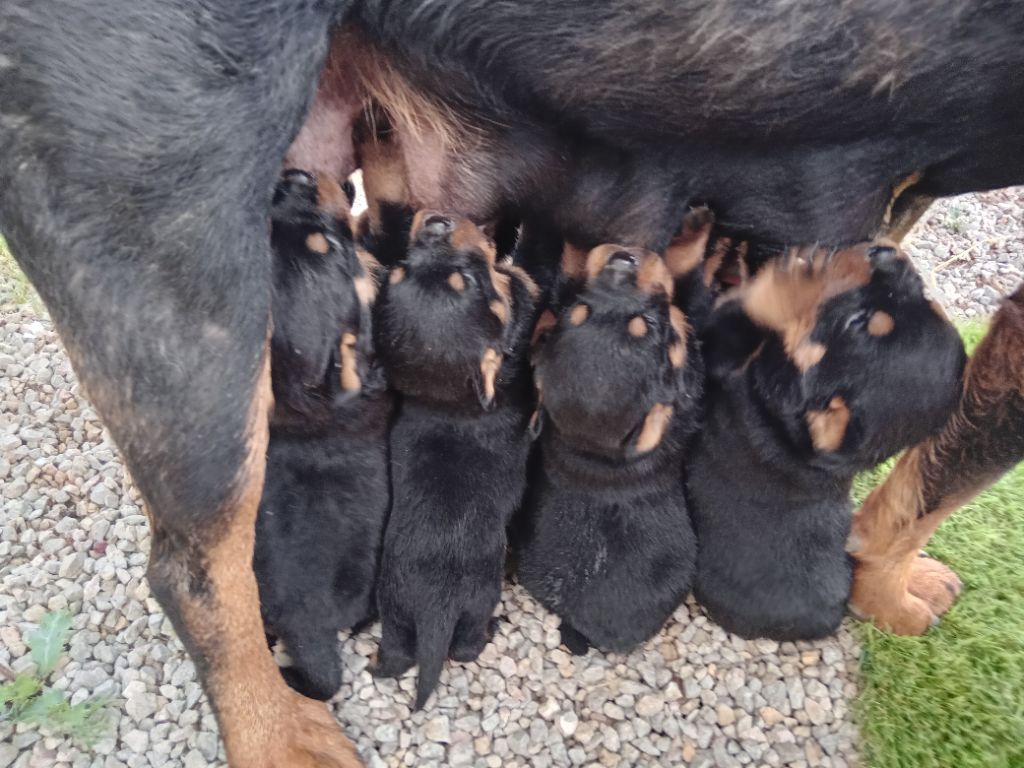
x: 893, y: 585
x: 395, y: 656
x: 139, y: 147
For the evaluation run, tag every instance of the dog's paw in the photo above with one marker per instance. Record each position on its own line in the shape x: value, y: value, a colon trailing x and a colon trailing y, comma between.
x: 307, y: 736
x: 906, y: 600
x: 935, y: 583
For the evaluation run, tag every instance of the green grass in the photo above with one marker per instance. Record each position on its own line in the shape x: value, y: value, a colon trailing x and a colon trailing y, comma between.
x: 955, y: 697
x: 21, y: 291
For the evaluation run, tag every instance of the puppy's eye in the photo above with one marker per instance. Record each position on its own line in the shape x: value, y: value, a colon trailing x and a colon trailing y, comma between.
x: 858, y: 321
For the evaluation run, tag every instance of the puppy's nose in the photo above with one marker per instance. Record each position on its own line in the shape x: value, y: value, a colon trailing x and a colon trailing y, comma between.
x: 621, y: 265
x: 437, y: 225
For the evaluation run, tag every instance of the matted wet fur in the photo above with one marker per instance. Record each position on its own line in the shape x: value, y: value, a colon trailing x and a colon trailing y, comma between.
x: 605, y: 539
x: 452, y: 328
x: 822, y: 366
x: 326, y: 494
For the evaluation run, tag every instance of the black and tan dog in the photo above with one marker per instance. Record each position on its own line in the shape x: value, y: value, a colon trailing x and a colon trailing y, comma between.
x: 823, y: 365
x: 140, y: 142
x: 452, y: 329
x: 326, y: 496
x: 605, y: 539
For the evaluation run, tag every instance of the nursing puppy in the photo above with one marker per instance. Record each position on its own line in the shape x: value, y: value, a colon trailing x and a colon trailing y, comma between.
x: 823, y: 365
x: 452, y: 328
x: 605, y: 540
x: 326, y: 495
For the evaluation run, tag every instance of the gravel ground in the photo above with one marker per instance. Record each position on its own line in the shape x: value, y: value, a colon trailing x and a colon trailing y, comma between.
x: 74, y: 536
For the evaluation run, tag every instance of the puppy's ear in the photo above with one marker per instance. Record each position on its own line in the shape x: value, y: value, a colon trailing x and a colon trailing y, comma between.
x: 729, y: 340
x: 648, y: 435
x: 490, y: 364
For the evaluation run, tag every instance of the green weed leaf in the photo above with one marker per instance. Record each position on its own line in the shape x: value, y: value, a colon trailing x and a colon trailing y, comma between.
x: 49, y: 640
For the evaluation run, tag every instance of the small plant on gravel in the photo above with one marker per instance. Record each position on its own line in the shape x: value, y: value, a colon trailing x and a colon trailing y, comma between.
x: 954, y: 219
x: 28, y: 699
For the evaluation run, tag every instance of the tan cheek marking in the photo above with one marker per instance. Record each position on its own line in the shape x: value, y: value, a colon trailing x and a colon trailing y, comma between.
x: 653, y: 276
x: 828, y: 427
x: 500, y: 309
x: 808, y: 354
x: 637, y: 327
x: 881, y: 324
x: 457, y: 281
x: 317, y: 243
x: 350, y: 381
x: 655, y: 424
x: 579, y: 314
x: 597, y: 258
x: 331, y: 197
x: 397, y: 275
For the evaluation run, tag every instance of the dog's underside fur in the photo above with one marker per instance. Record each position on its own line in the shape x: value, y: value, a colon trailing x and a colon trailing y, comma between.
x: 140, y: 141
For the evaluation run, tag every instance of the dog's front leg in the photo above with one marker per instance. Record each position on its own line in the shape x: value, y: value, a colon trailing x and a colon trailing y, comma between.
x: 893, y: 585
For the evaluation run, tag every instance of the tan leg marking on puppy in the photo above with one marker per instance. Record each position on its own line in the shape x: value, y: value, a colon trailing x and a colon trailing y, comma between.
x: 828, y: 427
x: 655, y: 424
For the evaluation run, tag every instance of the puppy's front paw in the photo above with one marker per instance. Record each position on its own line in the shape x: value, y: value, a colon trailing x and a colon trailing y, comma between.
x: 935, y: 583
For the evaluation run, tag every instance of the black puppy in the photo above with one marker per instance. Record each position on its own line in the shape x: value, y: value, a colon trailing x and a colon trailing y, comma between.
x: 326, y: 494
x: 452, y: 327
x: 605, y: 539
x: 821, y: 366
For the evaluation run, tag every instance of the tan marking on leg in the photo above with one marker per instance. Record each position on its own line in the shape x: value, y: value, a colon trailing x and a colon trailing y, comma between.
x: 686, y: 250
x: 350, y: 381
x: 578, y: 315
x: 677, y: 349
x: 828, y: 427
x: 933, y: 479
x: 637, y: 326
x: 500, y: 310
x: 653, y: 430
x: 714, y: 262
x: 366, y: 284
x: 574, y: 261
x: 881, y: 324
x: 317, y: 243
x: 897, y: 190
x: 263, y: 723
x: 520, y: 274
x: 490, y: 364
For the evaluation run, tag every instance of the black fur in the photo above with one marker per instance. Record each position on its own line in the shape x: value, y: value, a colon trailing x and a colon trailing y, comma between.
x: 772, y: 511
x: 605, y: 539
x: 326, y: 494
x: 458, y: 458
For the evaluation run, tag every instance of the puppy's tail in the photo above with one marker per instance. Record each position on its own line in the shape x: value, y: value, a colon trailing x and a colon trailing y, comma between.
x: 433, y: 638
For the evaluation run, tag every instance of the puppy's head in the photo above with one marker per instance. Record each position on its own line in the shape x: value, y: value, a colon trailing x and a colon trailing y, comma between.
x: 321, y: 348
x: 618, y: 366
x: 451, y: 321
x: 844, y: 352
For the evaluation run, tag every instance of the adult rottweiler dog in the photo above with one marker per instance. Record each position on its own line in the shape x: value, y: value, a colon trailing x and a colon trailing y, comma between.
x: 452, y: 330
x: 326, y: 496
x: 140, y: 143
x: 605, y: 539
x: 820, y: 367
